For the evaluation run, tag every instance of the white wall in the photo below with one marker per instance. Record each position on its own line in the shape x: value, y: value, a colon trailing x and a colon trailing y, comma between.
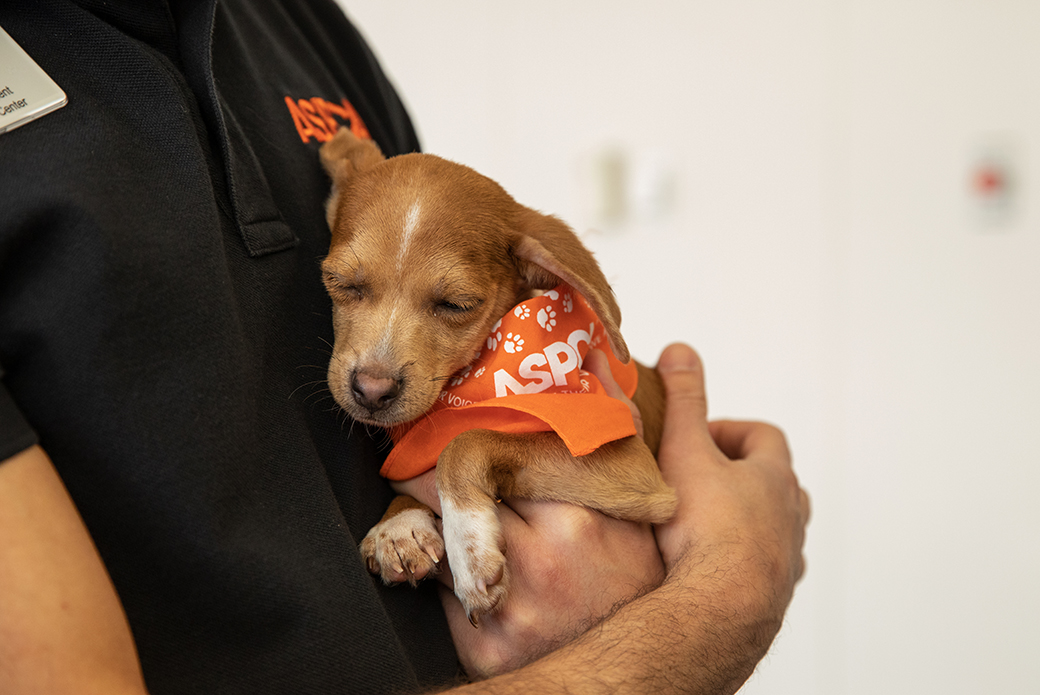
x: 823, y: 255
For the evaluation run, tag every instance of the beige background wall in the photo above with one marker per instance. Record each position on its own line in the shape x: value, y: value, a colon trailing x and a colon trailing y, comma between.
x: 800, y: 210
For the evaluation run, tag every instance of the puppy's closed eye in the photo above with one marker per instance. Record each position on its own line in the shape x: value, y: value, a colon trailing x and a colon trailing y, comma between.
x: 342, y: 290
x: 456, y: 307
x: 345, y: 293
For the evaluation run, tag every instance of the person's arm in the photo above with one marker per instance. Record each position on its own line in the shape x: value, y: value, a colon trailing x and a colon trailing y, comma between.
x: 732, y: 554
x: 62, y: 628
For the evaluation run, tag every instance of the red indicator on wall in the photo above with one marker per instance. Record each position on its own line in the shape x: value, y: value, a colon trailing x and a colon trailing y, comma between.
x: 993, y: 183
x: 989, y: 181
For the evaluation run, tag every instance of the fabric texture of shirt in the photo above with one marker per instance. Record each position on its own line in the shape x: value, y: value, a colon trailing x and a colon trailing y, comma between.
x: 164, y: 332
x: 526, y: 378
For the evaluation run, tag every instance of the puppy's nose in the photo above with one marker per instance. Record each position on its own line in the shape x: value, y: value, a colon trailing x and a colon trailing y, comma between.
x: 374, y: 393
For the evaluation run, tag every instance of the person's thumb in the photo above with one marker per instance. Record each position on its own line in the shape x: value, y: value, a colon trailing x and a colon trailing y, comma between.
x: 686, y: 413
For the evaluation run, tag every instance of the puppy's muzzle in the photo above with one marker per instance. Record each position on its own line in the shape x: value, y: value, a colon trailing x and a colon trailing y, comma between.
x: 374, y: 393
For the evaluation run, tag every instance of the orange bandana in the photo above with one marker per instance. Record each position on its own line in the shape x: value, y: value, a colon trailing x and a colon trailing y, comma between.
x: 527, y: 378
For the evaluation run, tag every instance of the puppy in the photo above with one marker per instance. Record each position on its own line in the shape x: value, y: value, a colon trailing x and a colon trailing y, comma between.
x: 428, y: 259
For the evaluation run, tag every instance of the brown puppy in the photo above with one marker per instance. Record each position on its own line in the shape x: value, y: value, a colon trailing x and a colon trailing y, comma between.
x: 426, y: 256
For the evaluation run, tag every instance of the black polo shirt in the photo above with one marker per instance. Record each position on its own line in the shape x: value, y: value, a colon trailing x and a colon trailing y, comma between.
x: 164, y: 336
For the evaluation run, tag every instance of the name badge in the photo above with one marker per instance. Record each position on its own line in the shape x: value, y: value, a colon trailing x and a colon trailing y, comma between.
x: 26, y: 91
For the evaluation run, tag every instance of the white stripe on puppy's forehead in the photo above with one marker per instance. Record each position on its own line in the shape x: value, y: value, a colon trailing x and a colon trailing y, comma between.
x: 384, y: 349
x: 411, y: 223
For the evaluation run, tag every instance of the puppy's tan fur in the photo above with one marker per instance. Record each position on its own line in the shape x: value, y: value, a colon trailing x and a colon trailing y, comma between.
x: 426, y: 256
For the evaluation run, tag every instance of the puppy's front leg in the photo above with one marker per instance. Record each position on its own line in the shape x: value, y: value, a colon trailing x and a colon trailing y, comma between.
x: 405, y: 544
x: 468, y: 484
x: 620, y: 479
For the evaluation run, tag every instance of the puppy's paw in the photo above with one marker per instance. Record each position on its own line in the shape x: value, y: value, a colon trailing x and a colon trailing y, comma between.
x: 475, y: 547
x: 405, y: 547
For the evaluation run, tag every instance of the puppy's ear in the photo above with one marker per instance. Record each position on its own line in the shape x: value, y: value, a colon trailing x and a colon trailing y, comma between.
x: 343, y: 156
x: 548, y: 253
x: 346, y: 153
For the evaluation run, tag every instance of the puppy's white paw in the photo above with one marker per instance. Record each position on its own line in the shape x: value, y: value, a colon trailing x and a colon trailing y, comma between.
x: 474, y: 543
x: 405, y: 547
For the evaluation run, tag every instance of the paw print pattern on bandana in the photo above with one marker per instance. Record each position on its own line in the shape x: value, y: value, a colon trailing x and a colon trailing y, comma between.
x: 522, y: 312
x: 460, y: 376
x: 568, y: 303
x: 547, y: 318
x: 479, y: 373
x: 496, y: 336
x: 514, y: 343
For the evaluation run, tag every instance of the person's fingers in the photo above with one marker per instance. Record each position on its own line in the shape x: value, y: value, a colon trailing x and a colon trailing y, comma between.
x: 422, y: 488
x: 805, y: 506
x: 738, y: 439
x: 760, y: 444
x: 597, y: 363
x: 764, y: 444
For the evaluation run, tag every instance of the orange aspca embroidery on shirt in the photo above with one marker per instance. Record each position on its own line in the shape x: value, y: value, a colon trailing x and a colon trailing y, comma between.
x: 528, y: 377
x: 320, y: 119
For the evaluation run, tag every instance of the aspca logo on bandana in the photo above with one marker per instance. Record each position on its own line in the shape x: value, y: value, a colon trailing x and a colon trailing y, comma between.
x: 320, y: 119
x: 556, y: 365
x: 537, y: 347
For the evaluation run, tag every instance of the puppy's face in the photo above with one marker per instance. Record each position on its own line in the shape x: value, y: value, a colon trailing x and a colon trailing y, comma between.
x: 426, y: 256
x: 419, y: 271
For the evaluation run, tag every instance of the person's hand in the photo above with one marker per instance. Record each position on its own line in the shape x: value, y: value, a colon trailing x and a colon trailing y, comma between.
x: 569, y: 567
x: 733, y: 555
x: 740, y: 529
